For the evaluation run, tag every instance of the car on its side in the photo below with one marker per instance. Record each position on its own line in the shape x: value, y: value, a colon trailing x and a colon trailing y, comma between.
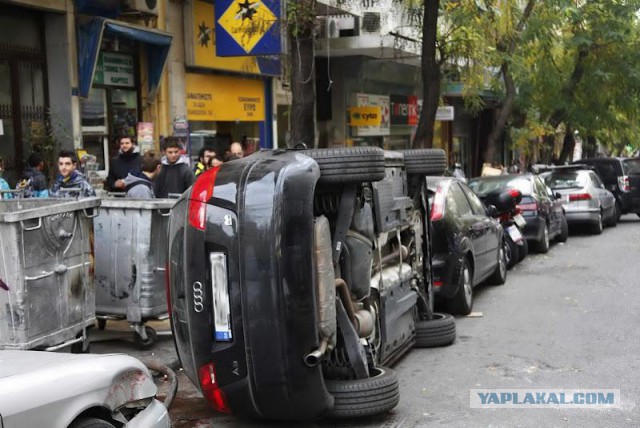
x: 540, y: 207
x: 468, y: 245
x: 585, y: 198
x: 621, y: 176
x: 48, y: 389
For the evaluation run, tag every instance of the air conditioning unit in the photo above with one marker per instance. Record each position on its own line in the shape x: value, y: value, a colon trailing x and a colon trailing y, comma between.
x: 143, y: 7
x: 330, y: 28
x: 370, y: 23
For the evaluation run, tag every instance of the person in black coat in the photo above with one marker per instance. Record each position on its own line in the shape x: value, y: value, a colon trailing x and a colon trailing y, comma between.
x: 175, y: 174
x: 128, y: 160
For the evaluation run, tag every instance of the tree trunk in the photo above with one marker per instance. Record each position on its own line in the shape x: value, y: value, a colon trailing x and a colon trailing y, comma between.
x: 504, y: 115
x: 303, y: 93
x: 567, y: 147
x: 431, y: 76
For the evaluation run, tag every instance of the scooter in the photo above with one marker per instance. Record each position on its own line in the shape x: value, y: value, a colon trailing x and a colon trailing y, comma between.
x: 502, y: 205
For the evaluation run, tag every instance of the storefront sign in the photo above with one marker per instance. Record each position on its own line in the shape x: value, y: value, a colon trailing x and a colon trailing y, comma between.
x: 381, y: 102
x: 115, y: 69
x: 365, y: 116
x: 248, y: 27
x: 202, y: 51
x: 404, y: 110
x: 224, y: 98
x: 445, y: 113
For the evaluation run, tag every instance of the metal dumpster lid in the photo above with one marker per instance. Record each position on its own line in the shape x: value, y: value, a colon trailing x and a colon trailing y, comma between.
x: 44, y: 209
x: 138, y: 204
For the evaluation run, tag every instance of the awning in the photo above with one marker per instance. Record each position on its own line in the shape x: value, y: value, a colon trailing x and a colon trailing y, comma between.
x: 157, y: 44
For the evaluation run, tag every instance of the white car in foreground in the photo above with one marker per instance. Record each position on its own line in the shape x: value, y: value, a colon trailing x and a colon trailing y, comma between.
x: 43, y: 389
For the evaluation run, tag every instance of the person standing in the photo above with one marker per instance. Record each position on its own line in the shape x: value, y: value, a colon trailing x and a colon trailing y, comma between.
x: 3, y: 184
x: 128, y: 160
x: 175, y: 174
x: 34, y: 183
x: 70, y: 178
x: 139, y: 185
x: 236, y: 151
x: 204, y: 160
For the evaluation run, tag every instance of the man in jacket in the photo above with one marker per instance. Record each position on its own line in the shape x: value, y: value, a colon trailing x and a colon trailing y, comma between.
x: 69, y: 178
x: 204, y: 160
x: 175, y: 174
x: 139, y: 185
x: 34, y: 183
x: 128, y: 160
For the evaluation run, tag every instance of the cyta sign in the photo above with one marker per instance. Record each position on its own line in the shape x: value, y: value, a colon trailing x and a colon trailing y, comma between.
x: 115, y: 69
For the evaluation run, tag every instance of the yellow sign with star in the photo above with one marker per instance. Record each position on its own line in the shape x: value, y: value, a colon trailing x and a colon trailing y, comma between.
x: 247, y: 22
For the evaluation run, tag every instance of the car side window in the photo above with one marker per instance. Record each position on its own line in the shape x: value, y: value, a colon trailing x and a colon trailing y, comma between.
x: 476, y: 204
x: 457, y: 204
x: 541, y: 188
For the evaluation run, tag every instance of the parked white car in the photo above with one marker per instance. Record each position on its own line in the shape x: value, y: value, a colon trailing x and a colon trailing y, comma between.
x: 43, y: 389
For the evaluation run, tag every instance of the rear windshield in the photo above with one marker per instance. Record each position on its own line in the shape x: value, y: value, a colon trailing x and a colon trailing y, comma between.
x: 482, y: 187
x: 567, y: 180
x: 631, y: 166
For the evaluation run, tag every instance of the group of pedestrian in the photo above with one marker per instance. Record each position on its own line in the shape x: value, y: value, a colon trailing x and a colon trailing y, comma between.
x: 139, y: 176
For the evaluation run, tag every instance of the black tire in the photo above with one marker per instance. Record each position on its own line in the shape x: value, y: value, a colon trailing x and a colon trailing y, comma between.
x: 439, y: 331
x: 613, y: 220
x: 523, y: 251
x: 564, y: 230
x: 512, y: 251
x: 618, y: 210
x: 425, y: 161
x: 462, y: 302
x: 349, y: 164
x: 91, y: 423
x: 598, y: 226
x: 499, y: 276
x: 365, y: 397
x: 151, y: 338
x: 542, y: 246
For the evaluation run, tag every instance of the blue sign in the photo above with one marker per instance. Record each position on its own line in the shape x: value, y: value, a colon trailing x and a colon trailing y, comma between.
x: 248, y: 27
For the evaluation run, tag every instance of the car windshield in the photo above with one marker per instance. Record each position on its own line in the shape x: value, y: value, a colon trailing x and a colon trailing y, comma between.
x: 481, y: 186
x: 631, y: 166
x: 566, y: 180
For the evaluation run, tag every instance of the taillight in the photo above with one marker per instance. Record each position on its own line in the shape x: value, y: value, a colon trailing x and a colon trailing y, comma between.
x: 623, y: 183
x: 210, y: 389
x: 437, y: 207
x: 579, y: 197
x: 533, y: 206
x: 201, y: 192
x: 437, y: 283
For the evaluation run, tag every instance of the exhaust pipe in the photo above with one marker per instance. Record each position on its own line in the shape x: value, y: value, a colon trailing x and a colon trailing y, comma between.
x: 313, y: 358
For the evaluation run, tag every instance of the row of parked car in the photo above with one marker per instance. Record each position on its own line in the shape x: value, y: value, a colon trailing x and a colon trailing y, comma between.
x: 470, y: 247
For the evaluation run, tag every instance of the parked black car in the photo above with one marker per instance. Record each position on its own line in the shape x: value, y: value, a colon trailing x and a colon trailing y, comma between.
x: 621, y: 176
x: 297, y: 276
x: 468, y: 245
x: 540, y: 207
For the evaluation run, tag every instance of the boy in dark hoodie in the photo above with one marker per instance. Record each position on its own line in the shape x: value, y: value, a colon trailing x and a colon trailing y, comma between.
x: 69, y: 178
x: 128, y: 160
x: 175, y: 174
x: 139, y: 185
x: 34, y: 183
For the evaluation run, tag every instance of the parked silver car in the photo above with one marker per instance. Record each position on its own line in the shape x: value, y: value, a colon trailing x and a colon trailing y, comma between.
x: 46, y: 389
x: 584, y: 197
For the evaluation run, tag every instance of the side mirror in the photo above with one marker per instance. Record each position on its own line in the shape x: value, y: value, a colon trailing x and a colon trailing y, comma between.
x: 558, y: 195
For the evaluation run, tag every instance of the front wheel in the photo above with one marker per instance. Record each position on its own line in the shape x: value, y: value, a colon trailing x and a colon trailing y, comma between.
x: 542, y: 246
x: 365, y: 397
x: 523, y: 251
x: 499, y: 277
x: 511, y: 251
x: 462, y: 302
x: 439, y: 331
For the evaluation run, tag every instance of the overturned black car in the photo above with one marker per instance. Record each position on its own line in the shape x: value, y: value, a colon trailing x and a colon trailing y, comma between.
x: 297, y: 276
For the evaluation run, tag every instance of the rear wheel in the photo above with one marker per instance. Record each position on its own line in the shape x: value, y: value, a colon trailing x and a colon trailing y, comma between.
x: 542, y: 246
x: 613, y: 220
x: 564, y: 230
x: 349, y: 165
x: 597, y: 227
x: 365, y: 397
x: 439, y: 331
x: 511, y: 251
x: 523, y: 251
x: 618, y: 210
x: 462, y: 302
x: 425, y: 161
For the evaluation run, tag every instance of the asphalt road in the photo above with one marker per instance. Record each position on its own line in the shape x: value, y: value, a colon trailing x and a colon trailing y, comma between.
x: 564, y: 320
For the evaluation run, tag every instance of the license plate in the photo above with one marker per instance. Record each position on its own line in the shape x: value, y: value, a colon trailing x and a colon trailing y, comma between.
x: 520, y: 221
x: 221, y: 303
x: 514, y: 233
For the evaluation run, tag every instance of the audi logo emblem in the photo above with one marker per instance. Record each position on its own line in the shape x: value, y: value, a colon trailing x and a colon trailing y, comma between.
x: 198, y: 300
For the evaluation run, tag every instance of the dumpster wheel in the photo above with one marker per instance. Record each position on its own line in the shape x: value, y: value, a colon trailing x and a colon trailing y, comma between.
x: 147, y: 342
